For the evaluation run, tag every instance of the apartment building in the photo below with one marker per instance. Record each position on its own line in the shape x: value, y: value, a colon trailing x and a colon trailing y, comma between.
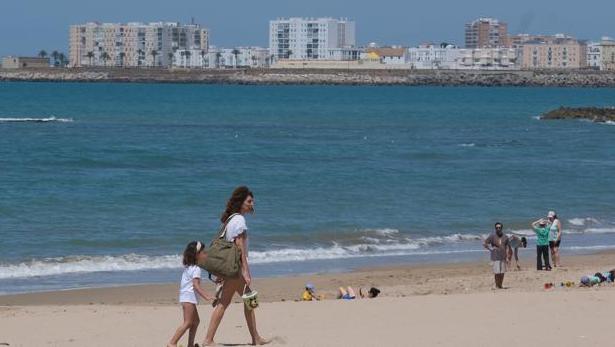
x: 487, y: 59
x: 607, y: 50
x: 311, y: 38
x: 133, y: 44
x: 554, y: 52
x: 238, y: 57
x: 594, y: 55
x: 486, y: 33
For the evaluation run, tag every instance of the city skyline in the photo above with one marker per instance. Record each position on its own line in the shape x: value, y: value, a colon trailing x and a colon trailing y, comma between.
x: 28, y: 26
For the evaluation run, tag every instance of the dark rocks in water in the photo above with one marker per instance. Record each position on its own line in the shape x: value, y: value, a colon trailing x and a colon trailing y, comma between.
x: 594, y: 114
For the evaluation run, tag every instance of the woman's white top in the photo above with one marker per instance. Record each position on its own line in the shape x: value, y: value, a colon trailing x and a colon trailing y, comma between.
x: 186, y: 288
x: 235, y: 227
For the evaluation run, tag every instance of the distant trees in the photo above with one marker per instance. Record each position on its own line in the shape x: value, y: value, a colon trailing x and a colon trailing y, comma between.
x: 42, y: 53
x: 90, y: 56
x: 235, y: 53
x: 105, y: 56
x: 153, y: 53
x: 54, y: 56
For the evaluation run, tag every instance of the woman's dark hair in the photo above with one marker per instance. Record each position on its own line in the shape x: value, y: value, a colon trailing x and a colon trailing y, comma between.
x: 233, y: 205
x: 523, y: 241
x: 190, y: 253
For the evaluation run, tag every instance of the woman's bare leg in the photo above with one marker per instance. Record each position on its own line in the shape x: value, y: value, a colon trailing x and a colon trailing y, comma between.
x: 189, y: 314
x: 251, y: 321
x: 229, y: 288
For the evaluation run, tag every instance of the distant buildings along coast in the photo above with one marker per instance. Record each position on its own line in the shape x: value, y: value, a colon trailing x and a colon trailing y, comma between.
x: 325, y: 42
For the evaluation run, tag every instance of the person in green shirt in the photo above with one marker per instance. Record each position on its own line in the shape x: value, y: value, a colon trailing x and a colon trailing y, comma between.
x: 542, y: 244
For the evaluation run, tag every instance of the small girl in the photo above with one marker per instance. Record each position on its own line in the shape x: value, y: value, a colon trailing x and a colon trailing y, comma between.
x: 190, y: 286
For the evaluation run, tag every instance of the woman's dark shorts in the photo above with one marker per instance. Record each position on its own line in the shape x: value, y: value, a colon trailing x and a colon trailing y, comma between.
x: 553, y: 244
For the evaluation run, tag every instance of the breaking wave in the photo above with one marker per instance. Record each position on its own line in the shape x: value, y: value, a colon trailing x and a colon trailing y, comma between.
x: 36, y: 120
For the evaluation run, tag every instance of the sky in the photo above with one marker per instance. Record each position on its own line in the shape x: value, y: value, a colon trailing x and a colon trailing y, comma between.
x: 27, y: 26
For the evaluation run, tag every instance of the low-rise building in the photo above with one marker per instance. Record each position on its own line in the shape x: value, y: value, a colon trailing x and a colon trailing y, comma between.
x: 429, y: 56
x: 388, y: 55
x: 223, y: 58
x: 487, y: 59
x: 11, y: 62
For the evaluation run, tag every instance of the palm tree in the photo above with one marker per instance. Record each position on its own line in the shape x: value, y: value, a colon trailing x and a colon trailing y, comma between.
x: 254, y: 61
x: 218, y: 56
x: 62, y: 59
x: 188, y: 54
x: 105, y: 56
x: 154, y: 53
x: 55, y: 55
x: 42, y: 53
x: 202, y: 58
x: 171, y: 57
x: 141, y: 53
x: 90, y: 55
x: 288, y: 54
x: 122, y: 55
x: 235, y: 52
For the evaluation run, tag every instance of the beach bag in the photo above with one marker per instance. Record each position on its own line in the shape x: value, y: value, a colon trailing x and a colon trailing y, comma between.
x: 223, y: 257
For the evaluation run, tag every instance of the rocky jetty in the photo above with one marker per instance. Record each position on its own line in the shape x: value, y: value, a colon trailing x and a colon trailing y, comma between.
x: 594, y: 114
x: 539, y: 78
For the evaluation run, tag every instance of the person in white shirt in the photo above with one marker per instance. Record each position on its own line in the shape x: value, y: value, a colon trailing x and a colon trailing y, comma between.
x: 189, y: 287
x: 240, y: 203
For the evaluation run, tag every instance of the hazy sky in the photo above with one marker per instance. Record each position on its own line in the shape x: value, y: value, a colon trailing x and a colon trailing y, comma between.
x: 26, y: 26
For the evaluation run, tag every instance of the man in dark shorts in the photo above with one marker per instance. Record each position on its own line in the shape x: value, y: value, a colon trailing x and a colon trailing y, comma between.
x: 498, y: 245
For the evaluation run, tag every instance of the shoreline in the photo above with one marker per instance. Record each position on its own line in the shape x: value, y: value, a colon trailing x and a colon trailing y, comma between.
x: 375, y: 77
x: 427, y: 305
x: 394, y: 281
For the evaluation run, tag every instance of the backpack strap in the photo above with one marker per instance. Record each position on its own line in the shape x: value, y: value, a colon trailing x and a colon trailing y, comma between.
x: 223, y: 228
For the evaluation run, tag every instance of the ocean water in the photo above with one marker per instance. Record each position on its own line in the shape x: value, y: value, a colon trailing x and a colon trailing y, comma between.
x: 104, y: 184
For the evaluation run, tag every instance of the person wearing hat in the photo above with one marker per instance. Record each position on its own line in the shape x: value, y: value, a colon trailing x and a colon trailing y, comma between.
x: 309, y: 293
x: 542, y: 244
x: 555, y: 236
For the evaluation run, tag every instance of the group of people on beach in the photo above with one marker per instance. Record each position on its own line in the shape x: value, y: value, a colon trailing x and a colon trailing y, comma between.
x: 235, y: 230
x: 503, y: 248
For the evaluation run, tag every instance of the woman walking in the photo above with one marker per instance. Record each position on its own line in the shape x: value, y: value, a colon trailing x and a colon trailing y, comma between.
x: 555, y: 237
x: 240, y: 203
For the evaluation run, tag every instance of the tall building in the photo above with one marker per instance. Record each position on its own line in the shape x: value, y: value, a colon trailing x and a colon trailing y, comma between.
x: 486, y: 33
x: 594, y: 56
x: 554, y: 52
x: 310, y: 38
x: 133, y: 44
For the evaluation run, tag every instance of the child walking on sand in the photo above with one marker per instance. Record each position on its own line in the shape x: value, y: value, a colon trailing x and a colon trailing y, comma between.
x: 189, y: 288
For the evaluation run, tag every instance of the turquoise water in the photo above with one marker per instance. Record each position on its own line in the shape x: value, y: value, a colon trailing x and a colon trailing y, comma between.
x: 120, y: 177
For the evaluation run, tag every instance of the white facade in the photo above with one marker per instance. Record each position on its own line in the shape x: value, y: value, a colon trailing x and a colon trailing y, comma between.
x: 225, y: 58
x: 310, y: 38
x: 450, y: 57
x: 431, y: 56
x: 594, y: 56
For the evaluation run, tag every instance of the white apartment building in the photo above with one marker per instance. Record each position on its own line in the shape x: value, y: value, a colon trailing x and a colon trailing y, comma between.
x: 594, y: 56
x: 133, y: 44
x: 430, y: 56
x: 310, y: 38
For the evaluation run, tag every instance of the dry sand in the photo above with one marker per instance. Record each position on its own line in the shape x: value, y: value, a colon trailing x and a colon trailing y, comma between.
x: 431, y: 305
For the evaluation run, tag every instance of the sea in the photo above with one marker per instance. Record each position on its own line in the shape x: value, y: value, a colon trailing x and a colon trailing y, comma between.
x: 104, y: 184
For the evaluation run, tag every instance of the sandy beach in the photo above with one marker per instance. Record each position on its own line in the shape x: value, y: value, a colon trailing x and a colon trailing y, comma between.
x: 428, y: 305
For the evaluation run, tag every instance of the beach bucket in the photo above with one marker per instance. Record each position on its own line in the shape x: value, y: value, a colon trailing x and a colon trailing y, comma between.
x: 250, y: 298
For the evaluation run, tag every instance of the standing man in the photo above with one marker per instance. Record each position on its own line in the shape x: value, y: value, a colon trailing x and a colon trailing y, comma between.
x: 542, y: 244
x: 498, y: 245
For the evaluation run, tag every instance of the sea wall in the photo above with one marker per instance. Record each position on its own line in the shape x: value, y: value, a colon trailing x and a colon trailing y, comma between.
x: 560, y: 78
